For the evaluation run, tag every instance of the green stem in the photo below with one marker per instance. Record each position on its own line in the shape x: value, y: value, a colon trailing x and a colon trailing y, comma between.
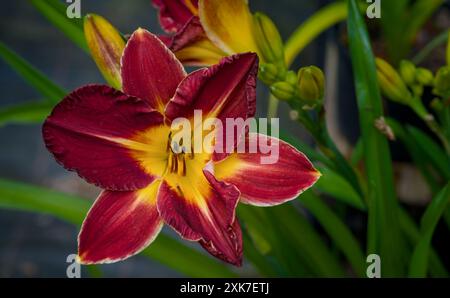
x: 418, y: 107
x: 323, y: 19
x: 272, y: 108
x: 326, y: 144
x: 426, y: 51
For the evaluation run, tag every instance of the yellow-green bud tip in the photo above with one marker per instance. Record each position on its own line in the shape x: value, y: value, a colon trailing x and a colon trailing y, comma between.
x: 408, y: 72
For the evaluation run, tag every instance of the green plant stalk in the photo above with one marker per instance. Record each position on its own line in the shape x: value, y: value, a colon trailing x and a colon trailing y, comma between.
x: 72, y: 209
x: 325, y: 143
x: 384, y: 237
x: 419, y: 261
x: 417, y: 106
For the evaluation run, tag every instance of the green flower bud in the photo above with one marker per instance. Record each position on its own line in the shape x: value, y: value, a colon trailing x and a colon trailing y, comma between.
x: 408, y: 72
x: 283, y: 90
x: 311, y: 83
x: 424, y: 76
x: 268, y: 73
x: 268, y: 39
x: 291, y: 77
x: 391, y: 83
x: 442, y: 82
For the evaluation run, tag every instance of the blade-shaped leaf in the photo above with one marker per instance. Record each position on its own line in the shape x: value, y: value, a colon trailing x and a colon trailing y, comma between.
x: 55, y: 12
x: 433, y: 151
x: 336, y: 186
x: 384, y: 236
x: 29, y: 112
x: 168, y: 251
x: 419, y: 260
x: 412, y: 233
x: 337, y: 230
x: 31, y: 75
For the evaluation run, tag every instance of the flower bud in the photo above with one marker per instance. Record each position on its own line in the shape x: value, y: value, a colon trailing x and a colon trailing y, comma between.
x: 268, y: 39
x: 424, y: 76
x: 311, y: 83
x: 291, y: 77
x: 442, y: 82
x: 106, y: 46
x: 408, y: 72
x: 269, y: 73
x: 391, y: 83
x: 283, y: 90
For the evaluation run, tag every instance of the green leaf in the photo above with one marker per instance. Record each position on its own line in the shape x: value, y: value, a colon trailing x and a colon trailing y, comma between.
x: 55, y: 12
x: 392, y: 23
x: 72, y: 209
x: 296, y: 248
x: 31, y: 75
x: 306, y: 240
x: 337, y: 230
x: 384, y: 236
x: 430, y: 219
x: 433, y: 151
x: 415, y: 152
x: 357, y: 154
x: 336, y: 186
x: 25, y: 113
x: 410, y: 230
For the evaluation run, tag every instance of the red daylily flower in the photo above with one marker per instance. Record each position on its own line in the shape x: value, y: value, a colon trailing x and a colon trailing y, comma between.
x: 120, y: 141
x: 204, y: 31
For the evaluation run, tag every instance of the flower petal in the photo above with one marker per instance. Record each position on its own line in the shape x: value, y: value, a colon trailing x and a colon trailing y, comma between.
x: 150, y: 71
x: 173, y: 14
x: 120, y: 224
x: 225, y: 90
x: 267, y: 184
x: 228, y: 24
x: 86, y: 132
x: 205, y: 213
x: 192, y: 47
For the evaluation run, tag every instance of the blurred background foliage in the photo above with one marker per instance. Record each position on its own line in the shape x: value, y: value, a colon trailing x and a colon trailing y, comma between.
x: 375, y: 196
